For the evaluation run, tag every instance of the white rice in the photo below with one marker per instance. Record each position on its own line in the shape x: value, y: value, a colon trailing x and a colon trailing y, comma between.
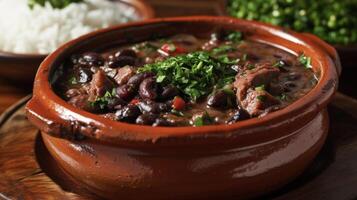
x: 43, y: 29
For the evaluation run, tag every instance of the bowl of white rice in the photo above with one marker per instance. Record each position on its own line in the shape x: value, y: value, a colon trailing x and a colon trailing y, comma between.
x: 29, y: 33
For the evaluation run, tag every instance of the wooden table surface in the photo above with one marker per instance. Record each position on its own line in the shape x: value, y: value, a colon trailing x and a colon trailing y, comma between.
x: 10, y: 93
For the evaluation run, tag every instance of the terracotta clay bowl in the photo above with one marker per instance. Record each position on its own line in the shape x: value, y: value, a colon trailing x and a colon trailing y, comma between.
x: 242, y: 160
x: 21, y: 68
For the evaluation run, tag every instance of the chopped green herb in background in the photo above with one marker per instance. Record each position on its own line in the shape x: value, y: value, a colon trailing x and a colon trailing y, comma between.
x: 54, y: 3
x: 332, y: 20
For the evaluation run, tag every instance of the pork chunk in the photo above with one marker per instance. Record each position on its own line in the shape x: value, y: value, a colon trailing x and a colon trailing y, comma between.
x: 99, y: 85
x: 124, y: 74
x: 255, y: 102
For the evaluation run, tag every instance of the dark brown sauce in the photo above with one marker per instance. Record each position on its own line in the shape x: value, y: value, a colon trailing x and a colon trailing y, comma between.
x: 267, y: 79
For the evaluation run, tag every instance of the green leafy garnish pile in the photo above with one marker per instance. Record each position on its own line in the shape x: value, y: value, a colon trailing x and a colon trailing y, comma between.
x: 54, y: 3
x: 332, y: 20
x: 194, y: 74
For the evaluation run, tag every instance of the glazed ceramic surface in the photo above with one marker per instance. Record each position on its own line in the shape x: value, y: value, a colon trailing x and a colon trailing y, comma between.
x: 241, y: 160
x: 21, y: 68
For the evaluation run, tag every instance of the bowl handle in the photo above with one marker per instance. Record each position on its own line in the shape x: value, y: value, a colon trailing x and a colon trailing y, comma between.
x: 331, y: 51
x: 38, y: 115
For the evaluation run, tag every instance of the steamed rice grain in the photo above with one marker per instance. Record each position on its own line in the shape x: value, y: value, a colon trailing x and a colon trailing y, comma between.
x: 43, y: 29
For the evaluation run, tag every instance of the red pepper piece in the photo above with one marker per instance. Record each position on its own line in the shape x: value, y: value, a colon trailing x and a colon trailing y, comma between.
x: 178, y: 103
x: 134, y: 101
x: 172, y: 49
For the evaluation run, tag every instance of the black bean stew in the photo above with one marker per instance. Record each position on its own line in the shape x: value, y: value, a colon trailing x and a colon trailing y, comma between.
x: 186, y: 81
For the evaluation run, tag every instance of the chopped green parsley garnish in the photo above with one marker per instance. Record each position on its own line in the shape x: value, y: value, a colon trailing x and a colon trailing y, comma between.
x: 194, y: 74
x: 103, y: 101
x: 305, y: 61
x: 223, y: 49
x: 235, y: 36
x: 73, y: 81
x: 279, y: 63
x: 205, y: 119
x: 283, y: 97
x: 198, y: 121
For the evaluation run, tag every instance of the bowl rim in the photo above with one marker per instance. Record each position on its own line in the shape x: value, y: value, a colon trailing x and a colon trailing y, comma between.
x: 111, y: 131
x: 144, y: 10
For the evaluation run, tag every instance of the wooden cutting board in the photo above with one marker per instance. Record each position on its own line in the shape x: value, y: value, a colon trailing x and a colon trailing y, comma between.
x: 28, y: 172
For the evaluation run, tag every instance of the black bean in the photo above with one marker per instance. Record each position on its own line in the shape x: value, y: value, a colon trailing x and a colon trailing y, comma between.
x: 253, y: 57
x: 239, y: 115
x: 138, y: 78
x: 290, y: 84
x: 74, y: 59
x: 146, y: 119
x: 119, y: 106
x: 288, y: 63
x: 153, y: 107
x: 164, y: 107
x: 126, y: 92
x: 275, y: 89
x: 277, y: 56
x: 283, y: 69
x: 148, y: 88
x: 90, y: 60
x: 126, y: 52
x: 83, y: 75
x: 115, y: 102
x: 128, y: 113
x: 169, y: 92
x: 149, y: 107
x: 161, y: 122
x: 287, y: 89
x: 293, y: 76
x: 219, y: 99
x: 121, y: 61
